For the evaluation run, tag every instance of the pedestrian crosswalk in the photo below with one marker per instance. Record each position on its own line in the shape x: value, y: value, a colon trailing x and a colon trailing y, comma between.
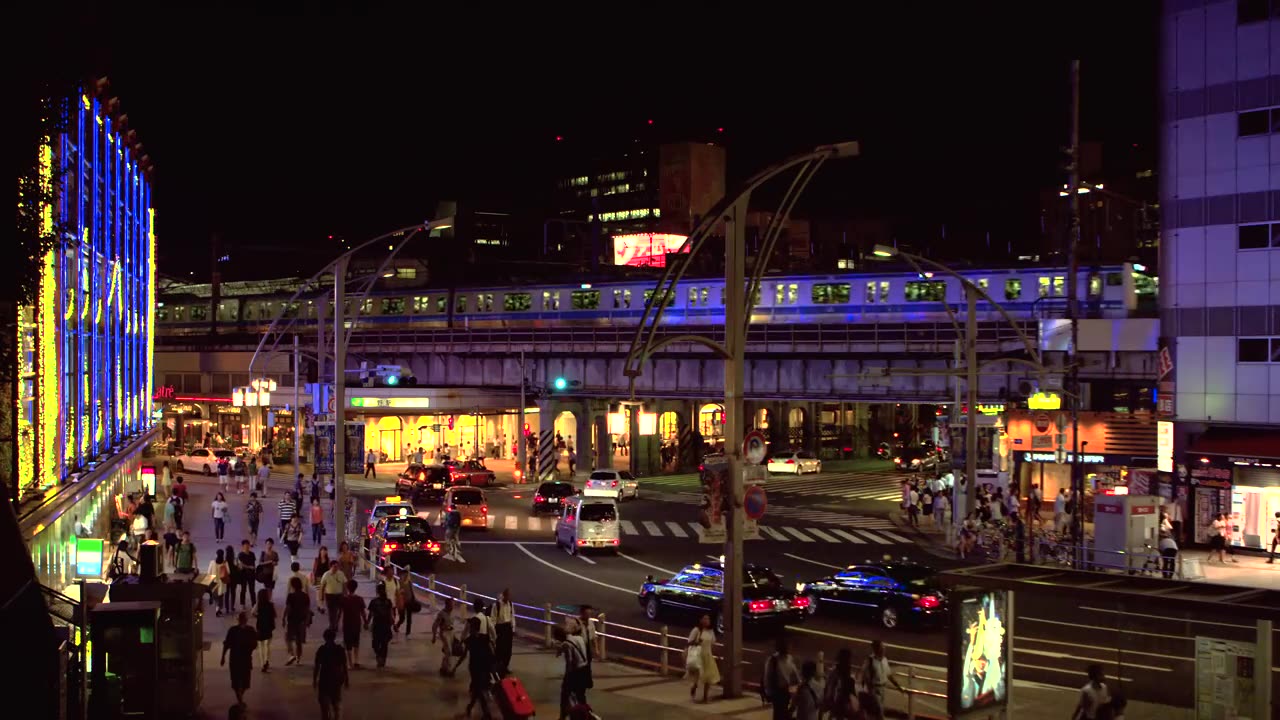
x: 800, y: 515
x: 854, y: 485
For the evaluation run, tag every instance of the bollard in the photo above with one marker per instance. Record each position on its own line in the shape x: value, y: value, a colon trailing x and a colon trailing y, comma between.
x: 911, y: 696
x: 546, y: 610
x: 462, y: 593
x: 600, y: 631
x: 665, y: 645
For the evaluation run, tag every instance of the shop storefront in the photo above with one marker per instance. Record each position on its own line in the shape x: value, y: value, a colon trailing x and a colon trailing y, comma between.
x: 1235, y: 472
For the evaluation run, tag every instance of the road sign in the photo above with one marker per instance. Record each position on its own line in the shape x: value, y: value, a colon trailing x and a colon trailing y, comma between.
x: 755, y: 502
x: 333, y: 403
x: 1042, y: 422
x: 754, y: 447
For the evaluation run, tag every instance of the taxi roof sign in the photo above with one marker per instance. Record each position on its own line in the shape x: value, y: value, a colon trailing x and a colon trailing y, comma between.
x: 391, y: 499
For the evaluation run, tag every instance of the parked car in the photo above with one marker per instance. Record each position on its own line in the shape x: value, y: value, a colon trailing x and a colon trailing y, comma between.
x: 892, y: 593
x: 698, y: 589
x: 405, y: 541
x: 797, y: 462
x: 204, y: 460
x: 470, y: 472
x: 616, y: 484
x: 423, y: 482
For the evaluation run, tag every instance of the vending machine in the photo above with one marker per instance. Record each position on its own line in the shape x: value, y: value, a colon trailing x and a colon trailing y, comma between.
x: 1126, y: 530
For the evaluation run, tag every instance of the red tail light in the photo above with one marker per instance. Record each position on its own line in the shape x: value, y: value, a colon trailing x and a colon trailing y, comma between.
x: 791, y: 461
x: 928, y: 602
x: 757, y: 606
x: 537, y: 498
x: 433, y: 546
x: 389, y: 547
x: 484, y: 509
x: 614, y: 541
x: 701, y: 468
x: 615, y: 483
x: 800, y: 601
x: 582, y: 542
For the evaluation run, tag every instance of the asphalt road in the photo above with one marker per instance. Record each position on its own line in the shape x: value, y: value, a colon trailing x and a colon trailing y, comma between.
x: 1151, y: 653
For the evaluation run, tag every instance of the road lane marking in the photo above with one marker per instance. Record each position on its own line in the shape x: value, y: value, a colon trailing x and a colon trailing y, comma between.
x: 584, y: 558
x: 713, y: 557
x: 1104, y: 649
x: 822, y: 633
x: 525, y: 550
x: 1105, y: 629
x: 798, y: 534
x: 629, y: 527
x: 899, y: 538
x: 774, y: 534
x: 876, y: 538
x: 823, y: 535
x: 815, y: 562
x: 648, y: 565
x: 651, y: 528
x: 535, y: 524
x: 697, y: 530
x: 849, y: 536
x: 677, y: 530
x: 1168, y: 619
x: 511, y: 522
x: 1074, y: 656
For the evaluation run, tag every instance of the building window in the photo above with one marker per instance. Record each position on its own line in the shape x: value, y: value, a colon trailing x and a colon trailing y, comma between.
x: 484, y: 302
x: 925, y: 291
x: 421, y: 304
x: 550, y: 300
x: 621, y: 299
x: 1012, y: 289
x: 830, y: 293
x: 393, y: 306
x: 460, y: 304
x: 1254, y: 122
x: 845, y: 264
x: 517, y: 302
x: 1275, y: 350
x: 1255, y: 237
x: 585, y: 299
x: 221, y: 383
x: 786, y: 293
x: 1253, y: 350
x: 1252, y: 11
x: 406, y: 273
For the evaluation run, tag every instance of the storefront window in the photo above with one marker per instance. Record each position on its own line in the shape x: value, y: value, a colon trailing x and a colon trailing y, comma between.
x: 1255, y: 500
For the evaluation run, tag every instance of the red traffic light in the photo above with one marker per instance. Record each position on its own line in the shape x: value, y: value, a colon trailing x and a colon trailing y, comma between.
x: 526, y: 428
x: 450, y: 422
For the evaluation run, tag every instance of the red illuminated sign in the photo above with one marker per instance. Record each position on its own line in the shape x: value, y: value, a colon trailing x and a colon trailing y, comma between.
x: 1142, y: 510
x: 646, y: 249
x: 164, y: 392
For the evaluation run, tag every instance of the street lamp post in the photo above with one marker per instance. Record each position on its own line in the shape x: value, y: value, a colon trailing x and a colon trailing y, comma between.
x: 739, y: 292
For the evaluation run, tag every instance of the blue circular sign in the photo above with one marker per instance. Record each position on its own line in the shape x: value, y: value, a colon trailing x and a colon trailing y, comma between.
x: 755, y: 502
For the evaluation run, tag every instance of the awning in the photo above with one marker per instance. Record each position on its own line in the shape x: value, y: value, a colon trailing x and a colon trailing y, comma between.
x: 1238, y: 443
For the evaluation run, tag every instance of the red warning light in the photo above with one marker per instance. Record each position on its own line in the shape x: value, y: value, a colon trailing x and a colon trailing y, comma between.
x: 651, y: 122
x: 719, y: 129
x: 559, y: 138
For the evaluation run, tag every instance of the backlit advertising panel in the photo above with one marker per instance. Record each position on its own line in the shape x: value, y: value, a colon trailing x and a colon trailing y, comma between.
x: 646, y: 249
x: 979, y: 676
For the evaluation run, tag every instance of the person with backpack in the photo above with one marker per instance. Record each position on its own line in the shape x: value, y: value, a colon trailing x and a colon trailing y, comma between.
x: 780, y: 680
x: 220, y: 572
x: 573, y: 688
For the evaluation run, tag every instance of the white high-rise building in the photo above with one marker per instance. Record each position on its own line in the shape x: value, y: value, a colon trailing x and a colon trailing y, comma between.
x: 1220, y: 258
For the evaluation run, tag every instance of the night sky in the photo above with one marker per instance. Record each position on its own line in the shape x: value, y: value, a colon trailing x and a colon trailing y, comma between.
x: 277, y: 131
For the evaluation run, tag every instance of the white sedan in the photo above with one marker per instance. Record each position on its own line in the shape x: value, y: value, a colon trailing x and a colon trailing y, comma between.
x: 616, y: 484
x: 204, y: 460
x: 795, y: 462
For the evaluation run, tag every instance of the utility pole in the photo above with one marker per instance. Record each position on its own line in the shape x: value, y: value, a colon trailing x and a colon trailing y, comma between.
x: 958, y: 511
x: 522, y: 445
x: 340, y: 398
x: 734, y: 387
x: 971, y: 393
x: 297, y: 411
x: 1073, y: 309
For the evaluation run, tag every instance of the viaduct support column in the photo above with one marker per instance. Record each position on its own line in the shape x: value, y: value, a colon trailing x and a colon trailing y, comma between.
x: 548, y: 411
x: 603, y: 441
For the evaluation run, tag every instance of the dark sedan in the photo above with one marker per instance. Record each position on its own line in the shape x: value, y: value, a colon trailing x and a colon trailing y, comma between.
x: 405, y: 541
x: 550, y: 496
x: 891, y: 593
x: 916, y: 459
x: 699, y: 590
x: 423, y: 482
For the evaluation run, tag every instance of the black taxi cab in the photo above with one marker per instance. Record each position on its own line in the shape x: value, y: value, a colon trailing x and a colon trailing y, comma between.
x: 698, y: 590
x: 404, y: 541
x: 891, y: 593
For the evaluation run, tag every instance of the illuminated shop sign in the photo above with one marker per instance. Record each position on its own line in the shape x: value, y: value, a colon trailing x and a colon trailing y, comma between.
x: 646, y: 249
x: 1045, y: 401
x: 1164, y: 446
x: 415, y: 403
x: 1049, y: 457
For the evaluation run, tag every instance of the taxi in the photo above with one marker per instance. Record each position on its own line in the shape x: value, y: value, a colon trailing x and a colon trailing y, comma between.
x: 472, y: 504
x: 698, y: 589
x: 392, y: 506
x: 404, y: 541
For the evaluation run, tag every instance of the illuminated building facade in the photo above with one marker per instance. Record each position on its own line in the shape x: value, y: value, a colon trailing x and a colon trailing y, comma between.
x: 85, y: 347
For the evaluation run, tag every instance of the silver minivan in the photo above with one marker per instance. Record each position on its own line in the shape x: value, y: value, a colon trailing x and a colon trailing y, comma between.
x: 588, y: 523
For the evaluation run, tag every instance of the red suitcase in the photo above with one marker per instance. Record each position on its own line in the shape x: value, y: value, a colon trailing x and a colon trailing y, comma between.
x: 512, y: 699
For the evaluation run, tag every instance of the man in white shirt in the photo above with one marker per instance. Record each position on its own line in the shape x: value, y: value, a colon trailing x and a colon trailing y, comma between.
x: 486, y: 624
x: 877, y: 672
x: 264, y: 472
x: 370, y: 464
x: 1060, y: 511
x: 940, y: 507
x: 504, y: 617
x: 1093, y: 695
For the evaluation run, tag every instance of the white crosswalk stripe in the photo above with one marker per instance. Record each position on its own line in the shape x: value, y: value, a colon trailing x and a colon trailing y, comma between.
x: 856, y: 535
x: 677, y: 530
x: 628, y: 527
x: 651, y: 527
x: 824, y: 536
x: 882, y: 485
x: 802, y: 537
x: 791, y: 513
x: 849, y: 536
x: 764, y: 530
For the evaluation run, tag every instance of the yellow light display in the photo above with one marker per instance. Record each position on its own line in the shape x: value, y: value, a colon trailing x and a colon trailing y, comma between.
x: 48, y: 408
x: 150, y: 317
x: 26, y: 432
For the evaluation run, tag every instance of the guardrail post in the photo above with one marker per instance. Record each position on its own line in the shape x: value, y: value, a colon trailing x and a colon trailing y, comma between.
x: 600, y: 632
x: 548, y: 622
x: 462, y: 593
x: 665, y: 645
x: 822, y: 665
x: 911, y: 696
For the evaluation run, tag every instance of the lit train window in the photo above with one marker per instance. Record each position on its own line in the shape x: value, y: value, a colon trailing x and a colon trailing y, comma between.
x: 925, y: 291
x: 693, y: 296
x: 704, y: 295
x: 291, y: 309
x: 162, y: 314
x: 1095, y: 284
x: 585, y: 299
x: 1059, y: 285
x: 884, y: 291
x: 393, y: 306
x: 871, y: 291
x: 722, y: 294
x: 199, y: 312
x: 830, y: 293
x: 1012, y: 289
x: 1044, y: 286
x: 421, y: 304
x: 982, y: 283
x: 484, y: 302
x: 668, y: 300
x: 517, y: 302
x: 550, y: 300
x: 786, y: 293
x: 621, y: 299
x: 366, y: 307
x: 460, y: 304
x: 442, y: 304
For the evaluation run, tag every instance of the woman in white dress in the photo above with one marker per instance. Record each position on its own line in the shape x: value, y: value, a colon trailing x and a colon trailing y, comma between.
x: 700, y: 660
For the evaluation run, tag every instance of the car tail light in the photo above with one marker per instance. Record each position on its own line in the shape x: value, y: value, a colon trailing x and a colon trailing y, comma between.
x: 614, y: 541
x: 615, y: 483
x: 800, y: 602
x: 433, y: 546
x: 389, y: 547
x: 928, y: 602
x: 701, y: 468
x: 897, y: 461
x: 757, y: 606
x: 537, y: 498
x: 484, y: 509
x: 582, y: 542
x: 791, y: 461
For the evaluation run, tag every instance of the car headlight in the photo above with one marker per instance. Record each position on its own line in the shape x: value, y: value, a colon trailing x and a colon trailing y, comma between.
x: 800, y: 587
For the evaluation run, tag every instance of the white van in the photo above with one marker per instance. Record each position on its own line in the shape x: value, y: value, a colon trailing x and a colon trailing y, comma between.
x: 588, y: 523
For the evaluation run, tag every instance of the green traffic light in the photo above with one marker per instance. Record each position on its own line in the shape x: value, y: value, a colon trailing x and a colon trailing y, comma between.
x: 560, y: 383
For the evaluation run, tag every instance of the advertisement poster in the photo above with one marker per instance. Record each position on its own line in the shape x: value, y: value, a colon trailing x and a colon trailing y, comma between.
x: 324, y: 448
x: 1224, y: 679
x: 715, y: 501
x: 978, y: 678
x: 354, y: 448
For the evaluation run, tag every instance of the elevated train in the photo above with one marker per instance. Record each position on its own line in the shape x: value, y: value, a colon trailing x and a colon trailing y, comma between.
x: 1110, y: 291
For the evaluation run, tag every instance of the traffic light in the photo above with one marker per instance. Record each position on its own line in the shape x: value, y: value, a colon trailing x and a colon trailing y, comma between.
x: 560, y: 384
x: 450, y: 422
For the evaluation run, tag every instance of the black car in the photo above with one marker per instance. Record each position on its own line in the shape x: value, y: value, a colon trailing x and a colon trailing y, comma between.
x: 550, y: 495
x: 405, y: 541
x: 916, y: 459
x: 699, y: 590
x: 892, y: 593
x: 423, y: 482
